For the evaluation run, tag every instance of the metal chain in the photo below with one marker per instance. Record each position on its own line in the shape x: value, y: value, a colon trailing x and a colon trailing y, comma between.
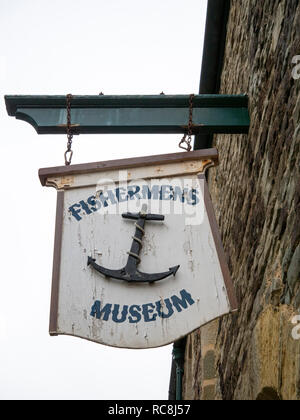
x: 69, y: 150
x: 185, y: 142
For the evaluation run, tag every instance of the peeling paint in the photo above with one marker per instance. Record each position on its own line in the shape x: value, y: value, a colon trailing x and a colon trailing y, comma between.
x: 107, y: 238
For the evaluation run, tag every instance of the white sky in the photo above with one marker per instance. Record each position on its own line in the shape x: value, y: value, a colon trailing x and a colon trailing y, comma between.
x: 80, y: 47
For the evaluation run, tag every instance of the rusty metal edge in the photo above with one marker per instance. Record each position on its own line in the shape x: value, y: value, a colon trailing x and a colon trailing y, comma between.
x: 86, y: 168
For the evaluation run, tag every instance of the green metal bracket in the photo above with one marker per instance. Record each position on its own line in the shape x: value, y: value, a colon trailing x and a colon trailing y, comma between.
x: 132, y: 114
x: 178, y: 357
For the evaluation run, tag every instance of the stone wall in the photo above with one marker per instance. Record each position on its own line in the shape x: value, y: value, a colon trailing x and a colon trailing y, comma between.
x: 256, y: 195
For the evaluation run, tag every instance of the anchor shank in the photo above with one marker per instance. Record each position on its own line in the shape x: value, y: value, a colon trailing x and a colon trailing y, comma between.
x: 136, y: 245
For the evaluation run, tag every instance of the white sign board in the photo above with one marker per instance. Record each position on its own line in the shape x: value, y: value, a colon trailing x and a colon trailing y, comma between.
x: 138, y: 261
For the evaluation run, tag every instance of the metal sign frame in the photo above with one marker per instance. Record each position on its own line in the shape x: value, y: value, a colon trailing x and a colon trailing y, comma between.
x: 149, y: 114
x: 64, y: 179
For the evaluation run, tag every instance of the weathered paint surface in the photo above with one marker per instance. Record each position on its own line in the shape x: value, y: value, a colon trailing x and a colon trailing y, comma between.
x: 130, y: 315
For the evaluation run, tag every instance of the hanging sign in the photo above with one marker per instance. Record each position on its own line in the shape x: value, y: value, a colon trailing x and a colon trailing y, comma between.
x: 138, y: 260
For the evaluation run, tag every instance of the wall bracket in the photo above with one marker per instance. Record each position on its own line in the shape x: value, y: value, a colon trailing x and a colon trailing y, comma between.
x: 151, y: 114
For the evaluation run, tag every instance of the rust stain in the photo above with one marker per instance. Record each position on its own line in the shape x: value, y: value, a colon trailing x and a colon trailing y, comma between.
x: 205, y: 164
x: 65, y: 125
x: 61, y: 182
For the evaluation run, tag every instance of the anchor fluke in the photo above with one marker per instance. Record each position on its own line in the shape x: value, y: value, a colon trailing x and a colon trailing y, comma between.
x: 90, y: 260
x: 174, y: 270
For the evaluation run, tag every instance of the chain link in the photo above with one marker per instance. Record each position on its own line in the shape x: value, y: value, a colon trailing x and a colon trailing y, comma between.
x: 185, y: 142
x: 69, y: 152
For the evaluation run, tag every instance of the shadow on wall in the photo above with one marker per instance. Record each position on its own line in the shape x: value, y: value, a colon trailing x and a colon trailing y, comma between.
x: 268, y: 394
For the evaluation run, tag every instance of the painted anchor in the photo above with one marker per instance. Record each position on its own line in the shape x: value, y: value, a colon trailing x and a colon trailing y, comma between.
x: 130, y: 273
